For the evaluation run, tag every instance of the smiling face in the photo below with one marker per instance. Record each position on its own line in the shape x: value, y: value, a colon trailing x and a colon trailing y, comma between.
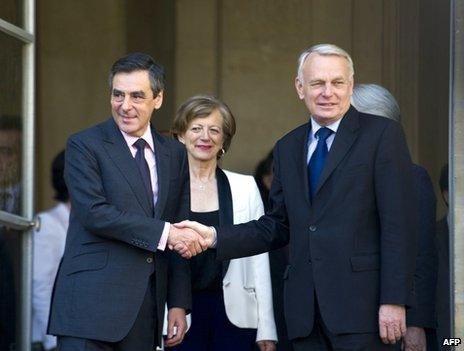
x: 204, y: 137
x: 326, y: 87
x: 132, y: 102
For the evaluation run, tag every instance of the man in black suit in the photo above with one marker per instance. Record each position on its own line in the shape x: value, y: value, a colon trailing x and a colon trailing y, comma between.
x: 126, y: 184
x: 341, y: 197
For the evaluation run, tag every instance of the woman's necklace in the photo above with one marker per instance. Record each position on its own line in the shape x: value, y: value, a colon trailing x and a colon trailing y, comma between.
x: 202, y: 185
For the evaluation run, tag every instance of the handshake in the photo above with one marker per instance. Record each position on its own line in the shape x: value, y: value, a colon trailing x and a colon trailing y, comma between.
x: 190, y: 238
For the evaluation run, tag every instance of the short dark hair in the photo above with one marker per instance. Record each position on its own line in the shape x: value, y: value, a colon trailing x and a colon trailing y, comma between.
x: 139, y: 61
x: 444, y: 178
x: 61, y: 190
x: 264, y: 168
x: 199, y: 106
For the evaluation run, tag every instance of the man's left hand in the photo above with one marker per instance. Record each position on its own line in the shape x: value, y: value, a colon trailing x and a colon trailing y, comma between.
x: 177, y: 326
x: 414, y: 340
x: 392, y: 323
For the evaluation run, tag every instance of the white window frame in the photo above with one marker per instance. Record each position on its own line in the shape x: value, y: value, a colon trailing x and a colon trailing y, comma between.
x: 24, y: 222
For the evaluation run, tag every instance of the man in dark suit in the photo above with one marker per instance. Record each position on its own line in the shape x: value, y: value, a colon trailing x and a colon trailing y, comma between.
x: 341, y: 197
x: 126, y: 184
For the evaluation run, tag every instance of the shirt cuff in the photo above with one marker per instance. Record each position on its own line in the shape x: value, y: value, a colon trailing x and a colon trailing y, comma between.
x: 164, y: 237
x: 49, y: 342
x: 213, y: 245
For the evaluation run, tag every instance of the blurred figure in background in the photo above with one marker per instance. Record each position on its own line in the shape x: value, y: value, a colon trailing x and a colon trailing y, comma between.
x: 49, y: 241
x: 263, y: 177
x: 443, y: 279
x: 10, y: 175
x: 231, y: 300
x: 10, y: 163
x: 420, y: 320
x: 278, y: 259
x: 7, y: 296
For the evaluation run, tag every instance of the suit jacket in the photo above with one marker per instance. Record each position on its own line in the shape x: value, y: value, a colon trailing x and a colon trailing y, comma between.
x: 353, y: 244
x: 111, y: 245
x: 425, y: 278
x: 247, y: 281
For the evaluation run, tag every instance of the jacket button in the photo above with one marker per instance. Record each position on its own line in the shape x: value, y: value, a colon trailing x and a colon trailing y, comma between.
x: 312, y: 228
x: 149, y: 260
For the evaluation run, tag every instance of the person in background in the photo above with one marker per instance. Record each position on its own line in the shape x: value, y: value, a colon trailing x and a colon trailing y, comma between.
x: 232, y: 300
x: 49, y: 240
x: 7, y: 296
x: 278, y: 259
x: 443, y: 279
x: 420, y: 334
x: 10, y: 163
x: 10, y: 191
x: 263, y: 178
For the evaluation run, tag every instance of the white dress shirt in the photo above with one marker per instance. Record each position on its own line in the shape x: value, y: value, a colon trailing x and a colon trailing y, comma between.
x: 49, y: 241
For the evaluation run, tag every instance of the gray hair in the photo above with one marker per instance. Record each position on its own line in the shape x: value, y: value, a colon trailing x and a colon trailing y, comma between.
x: 375, y: 100
x: 324, y: 50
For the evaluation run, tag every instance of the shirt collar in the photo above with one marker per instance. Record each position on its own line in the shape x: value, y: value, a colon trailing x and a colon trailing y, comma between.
x: 315, y: 126
x: 147, y: 136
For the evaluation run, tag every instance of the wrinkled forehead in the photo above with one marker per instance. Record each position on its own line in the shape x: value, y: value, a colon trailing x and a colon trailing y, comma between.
x: 131, y: 81
x: 326, y: 65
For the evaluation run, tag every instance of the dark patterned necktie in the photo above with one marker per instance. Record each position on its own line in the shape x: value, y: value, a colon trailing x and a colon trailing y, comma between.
x: 143, y: 166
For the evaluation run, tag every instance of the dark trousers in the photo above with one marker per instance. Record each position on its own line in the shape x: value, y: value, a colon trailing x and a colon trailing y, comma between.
x: 278, y: 260
x: 141, y: 336
x: 321, y: 339
x: 211, y: 330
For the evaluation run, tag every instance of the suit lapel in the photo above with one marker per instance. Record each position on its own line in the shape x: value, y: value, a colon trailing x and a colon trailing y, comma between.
x: 346, y: 135
x: 163, y: 170
x: 121, y: 156
x: 226, y: 211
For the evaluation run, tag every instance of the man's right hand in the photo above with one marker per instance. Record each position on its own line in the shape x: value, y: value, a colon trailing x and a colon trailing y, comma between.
x: 186, y: 241
x: 392, y: 323
x: 208, y: 235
